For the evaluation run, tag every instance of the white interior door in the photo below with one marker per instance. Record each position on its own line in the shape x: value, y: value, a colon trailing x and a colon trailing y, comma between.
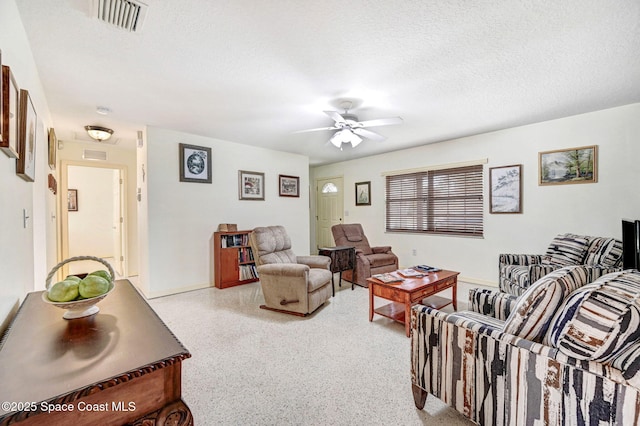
x: 329, y: 209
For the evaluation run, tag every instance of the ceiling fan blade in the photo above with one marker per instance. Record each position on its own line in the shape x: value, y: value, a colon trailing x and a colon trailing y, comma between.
x: 335, y: 116
x: 381, y: 122
x: 368, y: 134
x: 315, y: 130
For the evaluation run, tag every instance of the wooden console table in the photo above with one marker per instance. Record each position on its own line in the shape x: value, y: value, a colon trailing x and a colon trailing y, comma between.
x: 119, y: 366
x: 343, y: 258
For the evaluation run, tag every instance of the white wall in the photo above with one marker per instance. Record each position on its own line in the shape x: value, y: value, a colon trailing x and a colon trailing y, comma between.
x: 181, y: 217
x: 91, y: 227
x: 25, y: 253
x: 592, y: 209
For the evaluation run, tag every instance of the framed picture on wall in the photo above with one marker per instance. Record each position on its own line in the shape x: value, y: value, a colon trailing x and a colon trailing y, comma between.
x: 195, y: 163
x: 250, y: 185
x: 289, y: 186
x: 9, y: 99
x: 566, y: 166
x: 363, y: 193
x: 53, y: 146
x: 505, y: 189
x: 27, y: 123
x: 72, y: 200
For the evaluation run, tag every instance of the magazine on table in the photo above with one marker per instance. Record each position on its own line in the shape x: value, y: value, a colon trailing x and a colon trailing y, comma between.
x: 425, y: 269
x: 411, y: 273
x: 387, y: 278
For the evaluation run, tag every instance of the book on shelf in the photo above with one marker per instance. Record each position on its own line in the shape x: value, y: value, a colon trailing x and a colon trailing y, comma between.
x: 388, y: 278
x: 411, y: 273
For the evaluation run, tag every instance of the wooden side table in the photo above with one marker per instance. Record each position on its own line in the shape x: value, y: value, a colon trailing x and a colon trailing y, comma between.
x: 343, y: 258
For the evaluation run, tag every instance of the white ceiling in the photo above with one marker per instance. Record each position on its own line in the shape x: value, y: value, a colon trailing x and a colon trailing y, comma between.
x: 254, y: 72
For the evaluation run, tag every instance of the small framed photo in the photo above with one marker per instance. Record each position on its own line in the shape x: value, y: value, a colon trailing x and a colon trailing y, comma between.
x: 53, y: 148
x: 363, y: 193
x: 289, y: 186
x: 9, y: 100
x: 250, y: 185
x: 72, y: 200
x: 195, y: 163
x: 27, y: 122
x: 566, y: 166
x: 505, y: 189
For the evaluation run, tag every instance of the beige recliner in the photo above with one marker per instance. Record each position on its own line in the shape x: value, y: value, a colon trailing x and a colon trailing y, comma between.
x: 291, y: 284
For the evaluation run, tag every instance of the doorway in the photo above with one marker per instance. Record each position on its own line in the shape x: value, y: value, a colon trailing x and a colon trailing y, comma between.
x: 329, y: 208
x: 93, y: 207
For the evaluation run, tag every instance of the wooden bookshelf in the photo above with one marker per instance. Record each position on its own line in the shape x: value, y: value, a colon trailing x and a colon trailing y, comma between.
x: 233, y: 259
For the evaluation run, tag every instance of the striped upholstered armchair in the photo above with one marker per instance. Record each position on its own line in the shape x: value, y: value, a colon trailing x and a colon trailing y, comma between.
x: 568, y: 354
x: 519, y: 271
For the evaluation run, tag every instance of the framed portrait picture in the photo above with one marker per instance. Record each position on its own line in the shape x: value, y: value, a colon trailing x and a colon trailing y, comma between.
x: 53, y: 147
x: 565, y: 166
x: 9, y: 122
x: 289, y: 186
x: 27, y: 122
x: 195, y: 163
x: 72, y: 200
x: 250, y: 185
x: 53, y: 185
x: 363, y: 193
x: 505, y: 189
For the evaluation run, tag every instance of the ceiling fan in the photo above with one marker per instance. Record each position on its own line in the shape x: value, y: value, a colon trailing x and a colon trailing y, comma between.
x: 350, y: 130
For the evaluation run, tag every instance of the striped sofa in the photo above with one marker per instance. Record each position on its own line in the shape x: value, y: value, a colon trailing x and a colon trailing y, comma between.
x: 567, y: 354
x: 518, y: 271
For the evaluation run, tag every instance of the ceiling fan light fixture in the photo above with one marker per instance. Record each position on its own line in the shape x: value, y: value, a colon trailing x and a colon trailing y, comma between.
x: 98, y: 133
x: 345, y: 136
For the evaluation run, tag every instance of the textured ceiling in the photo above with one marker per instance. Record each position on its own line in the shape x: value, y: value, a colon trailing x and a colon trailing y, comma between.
x: 254, y: 72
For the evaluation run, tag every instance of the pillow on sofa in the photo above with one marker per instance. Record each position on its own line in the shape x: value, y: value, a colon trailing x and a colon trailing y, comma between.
x: 566, y: 250
x: 604, y: 252
x: 600, y: 320
x: 535, y: 308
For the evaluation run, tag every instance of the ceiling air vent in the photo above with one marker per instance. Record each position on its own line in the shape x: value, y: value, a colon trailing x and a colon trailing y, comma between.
x: 125, y: 14
x: 90, y: 154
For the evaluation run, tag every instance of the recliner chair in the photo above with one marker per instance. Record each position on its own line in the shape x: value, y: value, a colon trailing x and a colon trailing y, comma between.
x: 369, y: 260
x: 291, y: 284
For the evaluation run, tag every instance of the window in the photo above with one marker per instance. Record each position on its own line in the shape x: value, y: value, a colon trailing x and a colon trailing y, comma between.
x: 445, y: 201
x: 329, y: 188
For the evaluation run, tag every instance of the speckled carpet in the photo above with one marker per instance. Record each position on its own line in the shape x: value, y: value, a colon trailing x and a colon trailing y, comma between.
x: 251, y: 366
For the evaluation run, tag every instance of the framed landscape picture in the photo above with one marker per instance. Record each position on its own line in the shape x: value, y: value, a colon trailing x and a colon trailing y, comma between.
x: 27, y: 122
x: 289, y: 186
x: 195, y: 163
x: 250, y: 185
x: 9, y: 122
x: 565, y: 166
x: 363, y: 193
x: 505, y: 189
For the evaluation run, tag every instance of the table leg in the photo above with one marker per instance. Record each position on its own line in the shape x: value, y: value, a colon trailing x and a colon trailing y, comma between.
x: 333, y: 286
x: 353, y: 278
x: 407, y: 317
x: 454, y: 294
x: 370, y: 302
x: 340, y: 283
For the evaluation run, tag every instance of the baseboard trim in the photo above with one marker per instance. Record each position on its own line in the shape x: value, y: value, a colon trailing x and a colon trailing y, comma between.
x: 169, y: 292
x: 478, y: 281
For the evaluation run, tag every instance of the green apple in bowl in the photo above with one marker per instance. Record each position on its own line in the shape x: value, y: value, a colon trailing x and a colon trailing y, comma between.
x: 64, y: 291
x: 92, y: 286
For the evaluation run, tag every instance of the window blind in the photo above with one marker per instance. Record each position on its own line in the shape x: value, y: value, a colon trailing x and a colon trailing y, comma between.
x: 444, y: 201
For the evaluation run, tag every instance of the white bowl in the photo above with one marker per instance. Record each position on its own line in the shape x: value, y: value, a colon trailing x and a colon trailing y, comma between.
x: 78, y: 308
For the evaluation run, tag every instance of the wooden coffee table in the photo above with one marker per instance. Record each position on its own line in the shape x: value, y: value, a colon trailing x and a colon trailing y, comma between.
x: 407, y: 293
